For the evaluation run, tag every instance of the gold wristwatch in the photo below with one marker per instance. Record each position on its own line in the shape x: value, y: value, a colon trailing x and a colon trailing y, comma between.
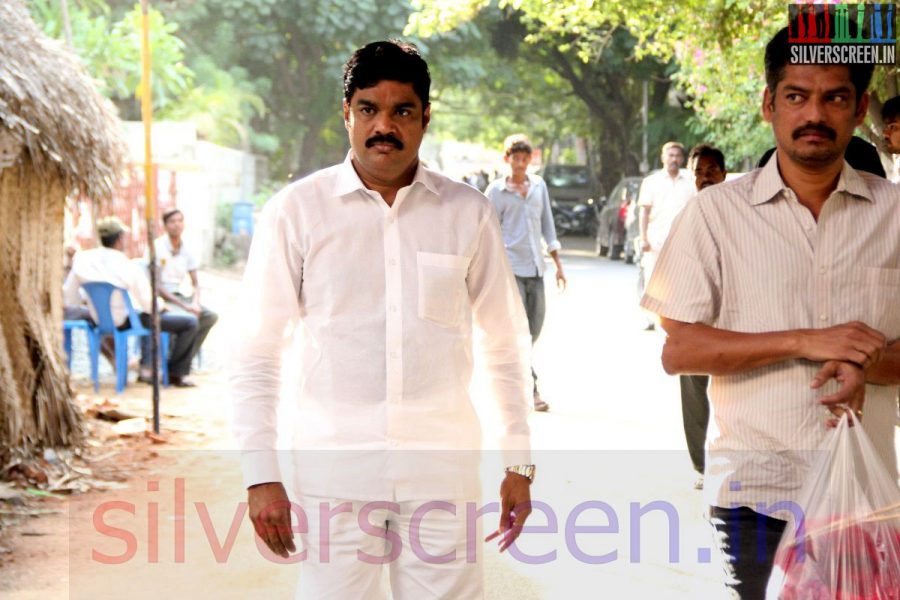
x: 526, y: 471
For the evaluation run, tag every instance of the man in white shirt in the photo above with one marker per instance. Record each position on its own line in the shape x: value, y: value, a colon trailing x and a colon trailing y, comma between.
x: 110, y: 264
x: 523, y: 206
x: 662, y: 196
x: 386, y: 266
x: 783, y: 286
x: 175, y: 261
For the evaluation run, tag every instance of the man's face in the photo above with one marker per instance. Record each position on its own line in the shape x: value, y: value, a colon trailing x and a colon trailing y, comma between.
x: 386, y: 124
x: 813, y: 113
x: 518, y: 162
x: 672, y: 159
x: 892, y: 136
x: 175, y: 225
x: 707, y: 172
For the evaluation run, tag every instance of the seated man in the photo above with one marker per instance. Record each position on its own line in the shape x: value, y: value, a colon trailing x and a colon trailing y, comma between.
x: 110, y: 264
x: 175, y: 261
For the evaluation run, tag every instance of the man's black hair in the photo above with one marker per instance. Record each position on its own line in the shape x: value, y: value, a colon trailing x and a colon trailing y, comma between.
x: 391, y: 60
x: 778, y: 56
x: 890, y: 111
x: 108, y: 241
x: 701, y: 150
x: 170, y: 213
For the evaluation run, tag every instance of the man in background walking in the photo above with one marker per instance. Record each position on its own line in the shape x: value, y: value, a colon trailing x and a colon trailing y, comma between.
x: 523, y: 206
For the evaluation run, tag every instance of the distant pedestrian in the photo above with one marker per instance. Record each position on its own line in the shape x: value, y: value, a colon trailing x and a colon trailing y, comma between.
x: 890, y: 114
x: 523, y: 206
x: 708, y: 167
x: 175, y: 261
x: 662, y: 195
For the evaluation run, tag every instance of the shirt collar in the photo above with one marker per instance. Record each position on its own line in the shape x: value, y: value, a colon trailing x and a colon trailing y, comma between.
x: 348, y: 180
x: 769, y: 183
x: 507, y: 187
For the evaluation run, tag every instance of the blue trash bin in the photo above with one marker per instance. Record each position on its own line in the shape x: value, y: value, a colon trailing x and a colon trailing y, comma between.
x: 242, y: 218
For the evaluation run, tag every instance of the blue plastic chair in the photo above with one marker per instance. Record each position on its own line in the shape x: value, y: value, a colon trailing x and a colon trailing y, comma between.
x: 69, y: 326
x: 100, y: 294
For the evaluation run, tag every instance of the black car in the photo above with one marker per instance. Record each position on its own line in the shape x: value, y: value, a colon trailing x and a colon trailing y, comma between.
x: 569, y: 185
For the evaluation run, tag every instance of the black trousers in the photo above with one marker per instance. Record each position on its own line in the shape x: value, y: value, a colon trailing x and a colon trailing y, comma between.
x: 748, y: 541
x: 695, y: 415
x: 205, y: 322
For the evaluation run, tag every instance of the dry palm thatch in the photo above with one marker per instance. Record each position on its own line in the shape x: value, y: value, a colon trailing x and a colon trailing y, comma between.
x: 69, y: 141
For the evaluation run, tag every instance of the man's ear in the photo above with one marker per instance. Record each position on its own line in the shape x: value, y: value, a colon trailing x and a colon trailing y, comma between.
x: 767, y: 105
x: 426, y: 116
x: 861, y: 108
x: 346, y: 107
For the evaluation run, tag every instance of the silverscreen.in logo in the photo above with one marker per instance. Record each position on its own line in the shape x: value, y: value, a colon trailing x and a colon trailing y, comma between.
x: 842, y: 33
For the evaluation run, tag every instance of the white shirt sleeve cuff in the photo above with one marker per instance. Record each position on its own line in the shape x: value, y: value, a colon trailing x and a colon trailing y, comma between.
x: 260, y: 466
x: 554, y: 245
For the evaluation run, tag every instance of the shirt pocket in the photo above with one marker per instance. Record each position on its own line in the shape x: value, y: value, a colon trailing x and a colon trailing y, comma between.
x: 883, y: 289
x: 442, y: 287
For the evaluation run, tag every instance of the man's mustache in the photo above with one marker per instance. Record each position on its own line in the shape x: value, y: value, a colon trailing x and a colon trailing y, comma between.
x: 384, y: 139
x: 828, y: 132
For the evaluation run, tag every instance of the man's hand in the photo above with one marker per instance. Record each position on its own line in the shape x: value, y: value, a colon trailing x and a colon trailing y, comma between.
x: 515, y: 506
x: 852, y: 342
x: 270, y: 513
x: 645, y: 245
x: 852, y: 391
x: 195, y: 307
x: 560, y: 279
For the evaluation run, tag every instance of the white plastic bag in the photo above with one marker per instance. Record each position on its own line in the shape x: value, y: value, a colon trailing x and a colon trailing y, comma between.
x: 847, y: 546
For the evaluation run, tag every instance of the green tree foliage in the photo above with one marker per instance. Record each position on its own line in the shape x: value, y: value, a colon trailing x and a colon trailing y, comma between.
x: 572, y: 84
x: 111, y: 51
x: 106, y: 36
x: 717, y: 45
x: 294, y: 50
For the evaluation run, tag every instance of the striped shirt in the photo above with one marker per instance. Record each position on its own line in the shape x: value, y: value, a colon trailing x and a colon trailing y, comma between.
x: 747, y: 256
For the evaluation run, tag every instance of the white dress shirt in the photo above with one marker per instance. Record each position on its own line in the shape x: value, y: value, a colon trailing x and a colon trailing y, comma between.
x: 111, y: 266
x: 746, y: 256
x: 665, y: 196
x: 386, y: 299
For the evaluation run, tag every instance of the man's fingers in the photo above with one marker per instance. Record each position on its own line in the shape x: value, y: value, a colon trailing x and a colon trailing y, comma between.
x: 286, y: 535
x: 828, y: 371
x: 273, y: 541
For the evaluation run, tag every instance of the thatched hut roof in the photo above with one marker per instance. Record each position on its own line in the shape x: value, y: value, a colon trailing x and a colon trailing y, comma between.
x: 50, y: 104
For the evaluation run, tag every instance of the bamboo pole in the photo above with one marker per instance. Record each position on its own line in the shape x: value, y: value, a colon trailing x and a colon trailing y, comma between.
x: 150, y: 200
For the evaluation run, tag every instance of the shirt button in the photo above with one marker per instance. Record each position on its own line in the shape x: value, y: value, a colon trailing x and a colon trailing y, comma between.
x: 395, y: 354
x: 393, y: 308
x: 394, y: 443
x: 390, y: 219
x: 823, y: 317
x: 393, y: 262
x: 822, y: 269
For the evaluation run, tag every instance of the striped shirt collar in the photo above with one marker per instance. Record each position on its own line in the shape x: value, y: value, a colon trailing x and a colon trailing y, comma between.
x: 769, y: 183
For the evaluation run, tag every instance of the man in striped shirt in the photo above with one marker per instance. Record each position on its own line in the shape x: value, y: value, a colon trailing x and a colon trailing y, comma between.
x: 783, y: 286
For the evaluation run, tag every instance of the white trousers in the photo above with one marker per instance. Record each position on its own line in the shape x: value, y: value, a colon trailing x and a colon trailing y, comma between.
x: 428, y: 551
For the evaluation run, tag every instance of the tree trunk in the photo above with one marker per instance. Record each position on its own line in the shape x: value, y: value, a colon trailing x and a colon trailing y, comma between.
x: 36, y: 406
